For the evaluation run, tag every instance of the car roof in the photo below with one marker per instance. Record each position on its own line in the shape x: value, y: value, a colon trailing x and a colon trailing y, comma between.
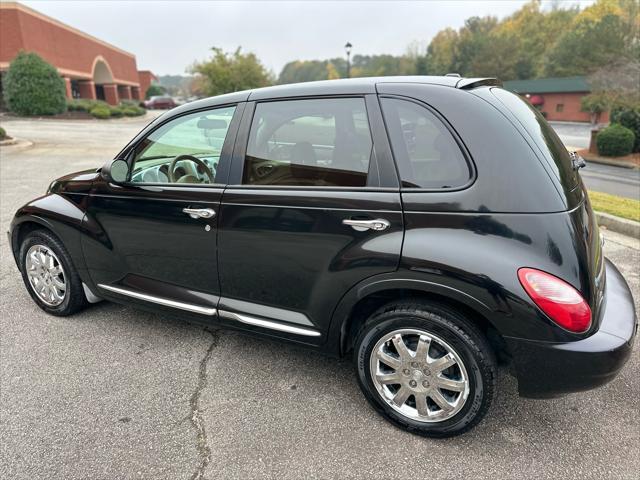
x: 343, y: 86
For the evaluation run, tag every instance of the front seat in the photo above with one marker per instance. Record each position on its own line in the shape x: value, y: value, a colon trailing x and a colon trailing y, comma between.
x: 302, y: 153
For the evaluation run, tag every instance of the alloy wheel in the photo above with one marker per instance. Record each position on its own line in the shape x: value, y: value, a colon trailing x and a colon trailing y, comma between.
x: 46, y: 275
x: 419, y: 375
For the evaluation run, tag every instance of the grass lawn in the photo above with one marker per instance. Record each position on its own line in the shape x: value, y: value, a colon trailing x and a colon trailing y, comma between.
x: 619, y: 206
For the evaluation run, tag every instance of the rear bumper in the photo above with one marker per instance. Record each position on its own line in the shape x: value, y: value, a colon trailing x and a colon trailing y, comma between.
x: 548, y: 369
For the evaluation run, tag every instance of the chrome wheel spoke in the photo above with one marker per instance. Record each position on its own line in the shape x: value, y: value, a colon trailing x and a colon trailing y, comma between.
x: 439, y: 400
x: 59, y: 284
x: 389, y: 379
x: 422, y: 350
x: 401, y: 396
x: 452, y: 385
x: 388, y: 359
x: 421, y: 405
x: 55, y: 295
x: 443, y: 363
x: 401, y: 348
x: 35, y: 258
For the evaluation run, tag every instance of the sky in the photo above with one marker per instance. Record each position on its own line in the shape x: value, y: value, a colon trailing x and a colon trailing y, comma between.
x: 168, y: 36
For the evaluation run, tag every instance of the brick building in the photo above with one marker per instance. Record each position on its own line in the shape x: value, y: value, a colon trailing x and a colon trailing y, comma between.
x: 90, y: 67
x: 558, y: 98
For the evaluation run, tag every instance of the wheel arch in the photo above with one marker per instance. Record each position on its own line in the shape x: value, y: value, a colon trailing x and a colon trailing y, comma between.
x: 59, y: 216
x: 360, y: 302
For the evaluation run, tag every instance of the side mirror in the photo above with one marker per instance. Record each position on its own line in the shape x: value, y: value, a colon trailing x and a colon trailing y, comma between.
x: 116, y: 171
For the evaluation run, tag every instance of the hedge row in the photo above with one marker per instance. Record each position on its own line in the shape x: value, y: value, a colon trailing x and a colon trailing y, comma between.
x: 102, y: 110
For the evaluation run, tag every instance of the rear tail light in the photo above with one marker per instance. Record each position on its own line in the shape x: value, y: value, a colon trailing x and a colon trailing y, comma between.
x: 559, y: 300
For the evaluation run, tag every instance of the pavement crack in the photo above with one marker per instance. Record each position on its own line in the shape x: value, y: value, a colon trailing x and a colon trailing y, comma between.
x: 204, y: 451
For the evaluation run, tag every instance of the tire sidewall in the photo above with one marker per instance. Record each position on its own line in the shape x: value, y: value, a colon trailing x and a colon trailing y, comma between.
x: 443, y: 329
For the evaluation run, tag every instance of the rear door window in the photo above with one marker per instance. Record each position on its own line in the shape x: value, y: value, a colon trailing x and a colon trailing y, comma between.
x: 426, y: 153
x: 545, y: 138
x: 315, y: 142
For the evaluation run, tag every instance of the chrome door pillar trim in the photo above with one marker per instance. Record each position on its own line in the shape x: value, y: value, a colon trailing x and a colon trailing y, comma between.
x: 189, y: 307
x: 258, y: 322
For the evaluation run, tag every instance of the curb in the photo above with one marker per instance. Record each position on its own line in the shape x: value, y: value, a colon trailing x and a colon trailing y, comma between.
x: 16, y: 142
x: 619, y: 225
x: 611, y: 163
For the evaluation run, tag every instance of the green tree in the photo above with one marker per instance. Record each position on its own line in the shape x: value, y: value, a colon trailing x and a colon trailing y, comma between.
x: 474, y: 40
x: 33, y: 87
x: 306, y: 71
x: 441, y: 52
x: 231, y: 72
x: 155, y: 90
x: 590, y: 44
x: 332, y: 73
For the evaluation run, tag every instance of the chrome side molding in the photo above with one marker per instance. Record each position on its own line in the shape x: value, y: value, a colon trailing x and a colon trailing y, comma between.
x: 258, y: 322
x: 189, y: 307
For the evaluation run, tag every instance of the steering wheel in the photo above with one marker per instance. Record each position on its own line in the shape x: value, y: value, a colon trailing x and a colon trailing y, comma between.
x: 188, y: 178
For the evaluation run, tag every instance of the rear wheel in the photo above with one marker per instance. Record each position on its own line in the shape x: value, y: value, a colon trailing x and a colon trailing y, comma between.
x: 425, y: 368
x: 49, y: 274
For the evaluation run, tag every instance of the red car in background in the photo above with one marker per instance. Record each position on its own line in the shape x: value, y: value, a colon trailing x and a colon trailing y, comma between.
x: 160, y: 102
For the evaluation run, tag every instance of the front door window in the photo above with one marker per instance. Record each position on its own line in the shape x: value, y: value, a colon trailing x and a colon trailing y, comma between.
x: 185, y: 150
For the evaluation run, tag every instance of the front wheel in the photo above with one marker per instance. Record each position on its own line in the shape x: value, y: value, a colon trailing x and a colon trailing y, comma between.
x: 49, y: 274
x: 425, y: 368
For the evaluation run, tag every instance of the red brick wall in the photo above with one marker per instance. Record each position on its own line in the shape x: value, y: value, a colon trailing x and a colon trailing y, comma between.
x: 10, y: 34
x: 70, y: 50
x: 570, y: 107
x: 145, y: 77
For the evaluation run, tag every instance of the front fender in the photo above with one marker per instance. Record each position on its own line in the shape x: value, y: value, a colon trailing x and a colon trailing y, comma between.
x: 58, y: 214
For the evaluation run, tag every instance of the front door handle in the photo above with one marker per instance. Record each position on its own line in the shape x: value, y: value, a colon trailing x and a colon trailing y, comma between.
x: 199, y: 212
x: 378, y: 224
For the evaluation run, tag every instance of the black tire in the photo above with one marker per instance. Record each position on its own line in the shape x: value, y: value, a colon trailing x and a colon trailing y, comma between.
x: 74, y: 299
x: 459, y: 333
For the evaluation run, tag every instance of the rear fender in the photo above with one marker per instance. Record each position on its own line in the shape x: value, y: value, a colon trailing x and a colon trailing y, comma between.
x: 338, y: 331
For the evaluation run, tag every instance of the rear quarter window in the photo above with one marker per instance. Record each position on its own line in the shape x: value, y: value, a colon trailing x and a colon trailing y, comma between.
x: 425, y: 151
x: 545, y: 138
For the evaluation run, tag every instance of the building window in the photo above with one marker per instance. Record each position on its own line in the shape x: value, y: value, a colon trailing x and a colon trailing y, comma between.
x: 559, y: 107
x: 75, y: 89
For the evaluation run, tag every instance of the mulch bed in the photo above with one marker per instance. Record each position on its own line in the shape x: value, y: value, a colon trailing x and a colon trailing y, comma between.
x: 71, y: 115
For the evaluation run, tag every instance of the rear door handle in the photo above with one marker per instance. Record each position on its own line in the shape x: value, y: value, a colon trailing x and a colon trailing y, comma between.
x: 377, y: 224
x: 199, y: 212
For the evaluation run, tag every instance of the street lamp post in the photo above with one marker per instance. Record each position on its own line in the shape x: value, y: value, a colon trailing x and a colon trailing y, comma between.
x: 347, y: 49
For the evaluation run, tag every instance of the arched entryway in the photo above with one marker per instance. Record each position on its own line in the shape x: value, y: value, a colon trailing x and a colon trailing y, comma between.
x: 105, y: 87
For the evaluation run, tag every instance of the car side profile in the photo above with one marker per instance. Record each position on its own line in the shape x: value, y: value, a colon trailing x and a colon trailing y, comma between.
x: 428, y: 227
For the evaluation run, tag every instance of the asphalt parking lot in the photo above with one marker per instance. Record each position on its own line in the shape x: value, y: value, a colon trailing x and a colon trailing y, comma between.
x: 118, y: 393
